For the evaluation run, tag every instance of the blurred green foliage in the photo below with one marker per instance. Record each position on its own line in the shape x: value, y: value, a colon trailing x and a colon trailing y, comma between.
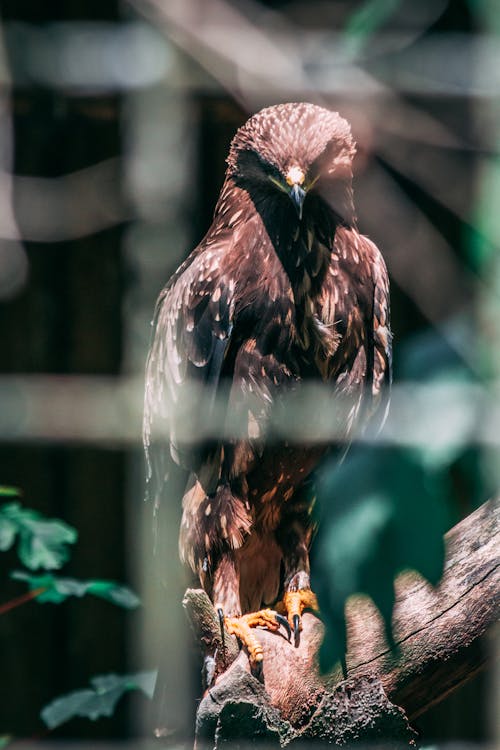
x: 385, y: 508
x: 57, y: 590
x: 365, y: 21
x: 98, y: 700
x: 9, y: 491
x: 44, y: 543
x: 41, y: 542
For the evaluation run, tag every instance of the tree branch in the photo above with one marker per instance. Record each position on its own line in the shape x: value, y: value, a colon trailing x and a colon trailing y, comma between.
x: 437, y: 634
x: 438, y: 631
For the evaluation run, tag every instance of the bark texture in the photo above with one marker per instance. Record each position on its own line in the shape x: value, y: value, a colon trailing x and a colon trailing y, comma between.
x: 437, y: 633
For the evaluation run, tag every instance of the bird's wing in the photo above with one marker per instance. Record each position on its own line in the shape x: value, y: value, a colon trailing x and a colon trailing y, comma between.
x: 382, y: 337
x: 191, y: 332
x: 362, y: 363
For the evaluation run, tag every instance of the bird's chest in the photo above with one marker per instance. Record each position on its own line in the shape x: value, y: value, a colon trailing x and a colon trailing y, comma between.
x: 273, y: 483
x: 316, y: 339
x: 315, y: 334
x: 330, y: 319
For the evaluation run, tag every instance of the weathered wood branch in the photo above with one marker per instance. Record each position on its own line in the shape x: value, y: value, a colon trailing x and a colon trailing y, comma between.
x: 437, y: 633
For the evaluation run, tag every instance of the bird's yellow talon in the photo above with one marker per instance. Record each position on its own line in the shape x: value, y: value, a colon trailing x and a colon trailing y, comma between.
x: 241, y: 627
x: 293, y: 605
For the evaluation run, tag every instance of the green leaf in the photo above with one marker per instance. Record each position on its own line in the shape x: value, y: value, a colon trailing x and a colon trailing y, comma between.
x: 383, y: 510
x: 98, y: 701
x: 9, y: 492
x: 5, y: 740
x: 113, y: 592
x: 8, y: 531
x: 42, y: 542
x: 58, y: 590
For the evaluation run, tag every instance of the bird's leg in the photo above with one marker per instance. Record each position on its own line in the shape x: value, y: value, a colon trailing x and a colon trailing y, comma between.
x: 297, y: 598
x: 226, y: 586
x: 294, y: 540
x: 225, y: 594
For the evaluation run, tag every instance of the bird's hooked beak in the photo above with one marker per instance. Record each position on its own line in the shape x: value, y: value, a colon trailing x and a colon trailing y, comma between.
x: 295, y: 178
x: 298, y: 194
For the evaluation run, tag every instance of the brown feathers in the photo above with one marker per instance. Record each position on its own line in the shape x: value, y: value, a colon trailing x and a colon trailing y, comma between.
x: 282, y: 290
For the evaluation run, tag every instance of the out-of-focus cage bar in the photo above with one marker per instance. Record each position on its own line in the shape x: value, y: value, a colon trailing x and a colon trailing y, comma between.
x: 121, y: 121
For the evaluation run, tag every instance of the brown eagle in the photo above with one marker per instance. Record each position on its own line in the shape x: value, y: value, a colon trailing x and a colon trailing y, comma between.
x: 282, y: 290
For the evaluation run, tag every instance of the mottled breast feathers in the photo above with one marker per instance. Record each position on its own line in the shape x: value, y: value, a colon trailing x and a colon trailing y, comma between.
x: 223, y: 298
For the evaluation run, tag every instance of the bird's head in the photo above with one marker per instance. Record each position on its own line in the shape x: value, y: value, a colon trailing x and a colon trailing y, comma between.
x: 296, y: 150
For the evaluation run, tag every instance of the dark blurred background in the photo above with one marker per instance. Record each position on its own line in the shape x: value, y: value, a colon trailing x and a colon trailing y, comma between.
x: 115, y: 121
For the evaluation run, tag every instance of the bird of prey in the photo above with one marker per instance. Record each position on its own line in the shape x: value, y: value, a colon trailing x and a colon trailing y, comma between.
x: 282, y: 291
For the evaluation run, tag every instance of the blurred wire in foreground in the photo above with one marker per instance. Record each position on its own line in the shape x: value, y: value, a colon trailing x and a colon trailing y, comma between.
x: 109, y: 411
